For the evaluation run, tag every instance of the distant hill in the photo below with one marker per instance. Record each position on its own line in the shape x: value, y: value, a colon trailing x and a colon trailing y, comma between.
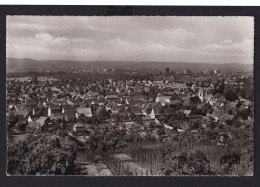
x: 26, y: 64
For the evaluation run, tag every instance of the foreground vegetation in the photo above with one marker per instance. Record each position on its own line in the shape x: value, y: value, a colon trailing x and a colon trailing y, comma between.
x: 125, y: 150
x: 169, y: 159
x: 41, y: 154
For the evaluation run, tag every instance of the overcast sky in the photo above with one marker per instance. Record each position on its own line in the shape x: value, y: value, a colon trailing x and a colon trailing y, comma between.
x: 138, y: 38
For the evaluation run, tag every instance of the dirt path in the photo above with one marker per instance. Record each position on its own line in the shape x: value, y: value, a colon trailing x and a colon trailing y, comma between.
x: 92, y: 169
x: 122, y: 165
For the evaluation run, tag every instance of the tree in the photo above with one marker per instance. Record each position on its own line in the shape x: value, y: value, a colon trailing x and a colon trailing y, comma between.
x: 41, y: 155
x: 229, y: 122
x: 219, y: 87
x: 152, y: 92
x: 185, y: 164
x: 194, y: 100
x: 21, y: 126
x: 242, y: 92
x: 230, y: 94
x: 195, y: 125
x: 206, y: 109
x: 197, y: 111
x: 244, y: 114
x: 230, y: 159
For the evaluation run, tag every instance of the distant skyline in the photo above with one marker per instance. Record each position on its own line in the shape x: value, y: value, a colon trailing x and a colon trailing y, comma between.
x: 135, y: 38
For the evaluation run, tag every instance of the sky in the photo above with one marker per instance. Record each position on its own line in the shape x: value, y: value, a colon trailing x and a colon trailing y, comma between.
x: 132, y: 38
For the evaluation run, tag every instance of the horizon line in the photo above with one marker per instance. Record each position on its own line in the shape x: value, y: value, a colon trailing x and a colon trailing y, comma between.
x: 133, y: 61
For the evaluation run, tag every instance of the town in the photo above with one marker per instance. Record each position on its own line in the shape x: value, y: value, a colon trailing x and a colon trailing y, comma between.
x: 112, y: 121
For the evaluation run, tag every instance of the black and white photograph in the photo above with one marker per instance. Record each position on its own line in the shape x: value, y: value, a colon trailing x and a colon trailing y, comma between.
x: 129, y: 95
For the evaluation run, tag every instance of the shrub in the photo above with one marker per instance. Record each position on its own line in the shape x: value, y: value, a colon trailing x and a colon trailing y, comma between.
x: 193, y: 164
x: 229, y: 160
x: 41, y: 155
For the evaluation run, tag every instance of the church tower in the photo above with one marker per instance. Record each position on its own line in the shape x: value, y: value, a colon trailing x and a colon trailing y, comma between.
x: 201, y: 94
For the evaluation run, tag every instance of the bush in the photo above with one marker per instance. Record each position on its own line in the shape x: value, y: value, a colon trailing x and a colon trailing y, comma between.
x: 43, y: 155
x: 212, y: 125
x: 230, y: 94
x: 229, y: 160
x: 193, y: 164
x: 229, y: 122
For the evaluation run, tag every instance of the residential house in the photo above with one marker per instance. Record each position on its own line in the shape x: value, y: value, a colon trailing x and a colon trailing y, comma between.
x: 100, y: 111
x: 59, y: 102
x: 187, y: 112
x: 226, y: 117
x: 156, y: 111
x: 135, y: 110
x: 163, y: 99
x: 87, y: 112
x: 79, y: 128
x: 43, y: 121
x: 22, y: 116
x: 112, y: 98
x: 33, y: 125
x: 175, y: 104
x: 54, y: 109
x: 217, y: 114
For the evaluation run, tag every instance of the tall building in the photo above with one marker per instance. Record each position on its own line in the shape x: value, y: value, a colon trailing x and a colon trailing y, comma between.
x: 187, y: 71
x: 34, y: 79
x: 167, y: 70
x: 201, y: 94
x: 217, y: 71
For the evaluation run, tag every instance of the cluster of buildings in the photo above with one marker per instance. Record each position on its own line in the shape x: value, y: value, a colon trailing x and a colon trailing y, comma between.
x: 189, y: 71
x: 34, y: 104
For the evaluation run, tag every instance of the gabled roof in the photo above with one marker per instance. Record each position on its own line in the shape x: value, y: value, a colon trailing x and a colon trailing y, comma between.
x: 187, y: 112
x: 156, y: 109
x: 79, y: 125
x: 167, y: 111
x: 23, y: 113
x: 110, y: 105
x: 99, y: 110
x: 217, y: 113
x: 59, y: 102
x: 121, y: 108
x: 208, y: 96
x: 242, y: 107
x: 70, y: 114
x: 42, y: 119
x: 201, y: 90
x: 92, y: 94
x: 56, y: 117
x: 248, y: 103
x: 30, y: 102
x: 34, y: 125
x: 21, y: 107
x: 85, y: 111
x: 163, y: 99
x: 175, y: 102
x: 70, y: 102
x: 226, y: 117
x: 112, y: 97
x: 135, y: 110
x: 233, y: 105
x: 91, y: 101
x: 55, y: 107
x: 84, y: 105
